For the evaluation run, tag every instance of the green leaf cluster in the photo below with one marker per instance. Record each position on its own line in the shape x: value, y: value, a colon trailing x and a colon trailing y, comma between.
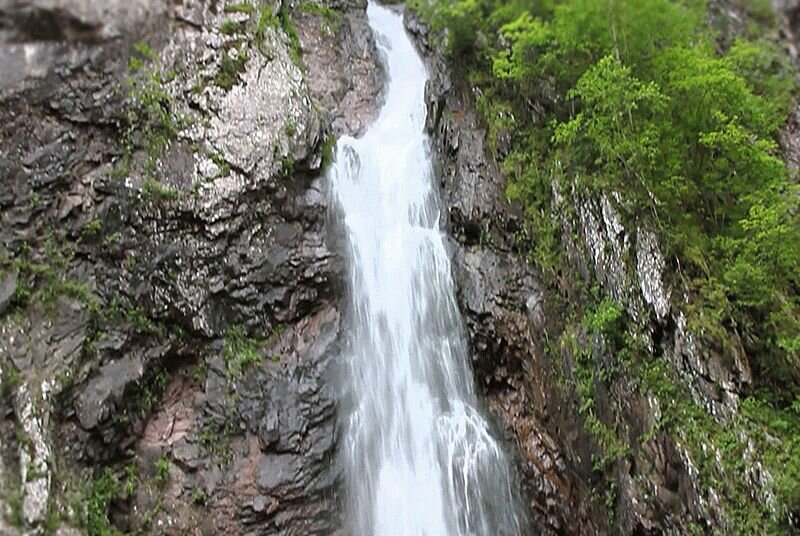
x: 151, y: 121
x: 240, y: 352
x: 637, y: 96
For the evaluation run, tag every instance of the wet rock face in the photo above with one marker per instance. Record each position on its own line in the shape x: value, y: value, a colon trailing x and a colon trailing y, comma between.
x: 297, y: 426
x: 504, y: 307
x: 168, y: 297
x: 345, y: 75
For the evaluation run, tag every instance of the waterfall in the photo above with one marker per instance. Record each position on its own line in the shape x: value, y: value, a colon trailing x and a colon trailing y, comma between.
x: 417, y: 454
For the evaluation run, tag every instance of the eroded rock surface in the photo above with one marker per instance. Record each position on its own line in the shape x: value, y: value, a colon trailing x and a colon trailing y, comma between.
x: 167, y: 290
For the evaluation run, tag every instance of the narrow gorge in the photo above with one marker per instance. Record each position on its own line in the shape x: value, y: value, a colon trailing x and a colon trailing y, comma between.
x: 332, y: 268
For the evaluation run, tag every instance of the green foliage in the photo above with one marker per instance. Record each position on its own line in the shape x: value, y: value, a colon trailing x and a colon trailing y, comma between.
x: 199, y: 497
x: 766, y: 431
x: 603, y: 330
x: 200, y: 372
x: 10, y: 380
x: 92, y: 228
x: 131, y: 483
x: 231, y: 27
x: 635, y: 97
x: 287, y: 166
x: 107, y: 488
x: 766, y: 69
x: 777, y: 432
x: 142, y: 54
x: 295, y: 50
x: 224, y: 168
x: 332, y: 18
x: 639, y: 97
x: 523, y: 34
x: 214, y: 439
x: 155, y: 190
x: 600, y: 347
x: 148, y: 394
x: 43, y: 277
x: 150, y: 118
x: 162, y: 471
x: 64, y: 379
x: 230, y: 69
x: 605, y: 319
x: 461, y: 19
x: 240, y: 352
x: 266, y: 20
x: 633, y: 31
x: 253, y: 32
x: 15, y: 515
x: 328, y: 147
x: 240, y: 7
x: 605, y: 133
x: 139, y: 403
x: 140, y: 321
x: 96, y: 500
x: 52, y: 521
x: 760, y: 10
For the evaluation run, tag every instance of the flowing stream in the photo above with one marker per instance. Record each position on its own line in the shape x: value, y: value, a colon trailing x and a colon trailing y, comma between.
x: 418, y: 455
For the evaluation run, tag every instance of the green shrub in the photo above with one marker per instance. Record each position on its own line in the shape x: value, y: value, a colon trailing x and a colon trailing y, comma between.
x: 230, y: 69
x: 153, y: 189
x: 240, y: 352
x: 162, y: 471
x: 634, y: 97
x: 332, y: 18
x: 295, y: 50
x: 328, y: 147
x: 92, y: 228
x: 240, y: 7
x: 150, y: 117
x: 97, y: 498
x: 199, y: 497
x: 640, y: 97
x: 231, y: 27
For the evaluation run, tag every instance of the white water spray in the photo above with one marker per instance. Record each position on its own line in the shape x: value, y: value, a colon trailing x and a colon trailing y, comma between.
x: 417, y: 454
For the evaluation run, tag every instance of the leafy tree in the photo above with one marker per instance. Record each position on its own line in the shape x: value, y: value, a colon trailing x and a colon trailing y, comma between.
x: 617, y: 130
x: 641, y: 97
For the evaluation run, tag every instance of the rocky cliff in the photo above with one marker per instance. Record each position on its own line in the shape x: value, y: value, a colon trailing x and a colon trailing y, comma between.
x: 167, y: 289
x: 626, y: 420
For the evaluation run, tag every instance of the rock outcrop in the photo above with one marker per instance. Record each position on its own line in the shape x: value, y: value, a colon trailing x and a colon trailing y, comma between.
x: 593, y: 451
x: 169, y: 298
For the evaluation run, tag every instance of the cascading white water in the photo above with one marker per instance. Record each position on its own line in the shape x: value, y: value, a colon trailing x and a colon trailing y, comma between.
x: 417, y: 454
